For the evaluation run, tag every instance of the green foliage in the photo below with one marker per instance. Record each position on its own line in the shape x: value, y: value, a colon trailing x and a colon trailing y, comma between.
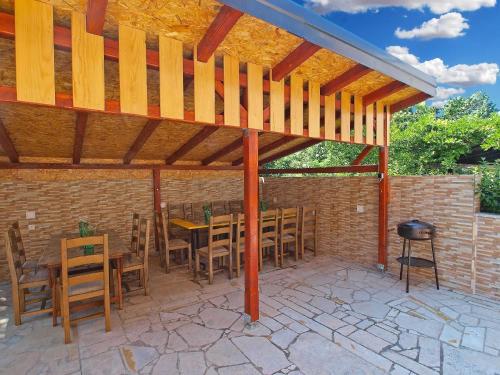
x: 489, y: 188
x: 478, y: 105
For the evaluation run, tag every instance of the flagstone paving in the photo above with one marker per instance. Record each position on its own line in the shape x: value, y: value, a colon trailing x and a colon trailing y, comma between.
x: 319, y: 316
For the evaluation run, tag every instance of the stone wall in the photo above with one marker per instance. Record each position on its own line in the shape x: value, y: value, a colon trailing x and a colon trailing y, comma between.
x: 448, y: 202
x: 487, y: 255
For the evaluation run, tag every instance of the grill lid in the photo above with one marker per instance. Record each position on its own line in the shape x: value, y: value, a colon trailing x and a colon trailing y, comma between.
x: 416, y: 230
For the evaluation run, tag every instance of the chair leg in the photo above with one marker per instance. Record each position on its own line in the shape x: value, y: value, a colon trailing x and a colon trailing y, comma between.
x: 189, y: 257
x: 210, y: 270
x: 296, y: 249
x: 230, y: 256
x: 261, y: 263
x: 146, y: 281
x: 65, y: 318
x: 282, y: 249
x: 107, y: 315
x: 276, y: 251
x: 238, y: 262
x: 196, y: 265
x: 17, y: 306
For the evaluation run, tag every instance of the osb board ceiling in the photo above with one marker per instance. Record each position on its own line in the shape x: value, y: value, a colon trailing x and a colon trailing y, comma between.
x: 216, y: 141
x: 286, y: 146
x: 39, y: 131
x: 264, y: 140
x: 368, y: 83
x: 400, y: 95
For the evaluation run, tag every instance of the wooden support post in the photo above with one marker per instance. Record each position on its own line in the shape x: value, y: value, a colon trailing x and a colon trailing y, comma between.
x: 251, y: 190
x: 156, y: 201
x: 383, y: 203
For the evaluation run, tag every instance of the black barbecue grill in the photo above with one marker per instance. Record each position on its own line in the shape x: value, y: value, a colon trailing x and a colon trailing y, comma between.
x: 416, y: 230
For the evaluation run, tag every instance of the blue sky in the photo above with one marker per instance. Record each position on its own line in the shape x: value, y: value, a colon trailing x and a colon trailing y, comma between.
x: 457, y: 41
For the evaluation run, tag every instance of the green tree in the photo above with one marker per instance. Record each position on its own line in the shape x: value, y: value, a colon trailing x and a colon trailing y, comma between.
x: 478, y: 104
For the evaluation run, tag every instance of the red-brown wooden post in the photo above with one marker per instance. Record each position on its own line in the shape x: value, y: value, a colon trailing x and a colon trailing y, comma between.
x: 156, y: 201
x: 383, y: 202
x: 251, y: 191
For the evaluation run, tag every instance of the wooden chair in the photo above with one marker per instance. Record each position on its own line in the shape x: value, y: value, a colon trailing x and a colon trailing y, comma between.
x: 289, y: 231
x: 170, y: 245
x: 27, y: 265
x: 220, y: 238
x: 22, y: 282
x: 89, y: 286
x: 135, y: 232
x: 235, y: 207
x: 239, y: 245
x: 219, y: 208
x: 268, y: 235
x: 140, y: 261
x: 309, y: 229
x: 176, y: 211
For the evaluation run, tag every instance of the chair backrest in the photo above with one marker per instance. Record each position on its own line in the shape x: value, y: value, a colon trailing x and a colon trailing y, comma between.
x: 235, y: 206
x: 289, y: 220
x: 240, y: 230
x: 309, y: 221
x: 176, y: 211
x: 135, y: 232
x: 143, y: 244
x: 19, y: 241
x: 13, y: 258
x: 162, y: 223
x: 268, y: 224
x: 219, y: 208
x: 220, y: 232
x: 97, y: 277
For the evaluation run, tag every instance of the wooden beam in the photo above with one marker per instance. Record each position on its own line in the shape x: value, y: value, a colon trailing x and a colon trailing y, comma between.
x: 111, y: 166
x: 383, y: 92
x: 408, y: 102
x: 290, y: 151
x: 383, y: 206
x: 251, y: 199
x: 339, y: 169
x: 191, y: 143
x: 298, y: 56
x: 7, y: 144
x: 345, y: 79
x: 96, y: 12
x: 267, y: 148
x: 141, y: 139
x: 217, y: 31
x: 362, y: 155
x: 223, y: 151
x: 81, y: 125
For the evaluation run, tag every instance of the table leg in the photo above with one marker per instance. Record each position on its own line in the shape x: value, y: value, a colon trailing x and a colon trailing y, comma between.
x: 52, y: 282
x: 119, y: 271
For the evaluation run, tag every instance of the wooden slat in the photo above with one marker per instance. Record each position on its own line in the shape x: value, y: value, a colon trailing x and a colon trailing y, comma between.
x: 204, y: 90
x: 346, y: 78
x: 388, y: 117
x: 88, y: 65
x: 81, y: 125
x: 294, y: 59
x: 296, y: 105
x: 369, y: 124
x: 7, y: 144
x: 345, y: 116
x: 217, y: 31
x: 191, y: 143
x: 231, y: 91
x: 34, y: 52
x: 255, y: 97
x: 380, y: 124
x: 330, y: 117
x: 96, y: 12
x: 383, y: 92
x: 133, y: 71
x: 277, y: 105
x: 358, y: 119
x: 171, y: 78
x: 314, y: 109
x: 141, y: 139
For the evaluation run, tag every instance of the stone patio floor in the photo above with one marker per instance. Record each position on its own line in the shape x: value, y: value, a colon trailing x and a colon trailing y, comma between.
x: 320, y: 316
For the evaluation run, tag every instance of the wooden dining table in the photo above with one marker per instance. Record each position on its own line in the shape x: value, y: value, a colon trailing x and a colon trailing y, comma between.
x: 51, y: 258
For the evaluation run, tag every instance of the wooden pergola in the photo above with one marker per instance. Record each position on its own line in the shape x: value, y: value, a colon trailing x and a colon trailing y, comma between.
x: 193, y: 85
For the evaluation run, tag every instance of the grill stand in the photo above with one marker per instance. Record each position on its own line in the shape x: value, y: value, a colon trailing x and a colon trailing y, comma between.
x: 416, y: 262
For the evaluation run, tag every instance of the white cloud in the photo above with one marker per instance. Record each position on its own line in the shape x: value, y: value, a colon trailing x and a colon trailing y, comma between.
x: 449, y: 25
x: 458, y: 75
x: 443, y: 94
x: 435, y: 6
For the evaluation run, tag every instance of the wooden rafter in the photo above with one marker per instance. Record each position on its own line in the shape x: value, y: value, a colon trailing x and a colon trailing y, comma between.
x: 362, y: 155
x: 191, y: 143
x: 217, y: 31
x: 80, y: 126
x: 290, y: 151
x: 141, y: 139
x: 223, y: 151
x: 408, y: 102
x: 383, y: 92
x: 96, y: 12
x: 267, y: 148
x: 298, y: 56
x: 7, y: 144
x: 339, y: 169
x: 346, y: 78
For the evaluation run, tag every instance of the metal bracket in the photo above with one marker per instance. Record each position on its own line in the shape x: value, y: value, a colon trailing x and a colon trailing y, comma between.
x: 380, y: 176
x: 381, y: 267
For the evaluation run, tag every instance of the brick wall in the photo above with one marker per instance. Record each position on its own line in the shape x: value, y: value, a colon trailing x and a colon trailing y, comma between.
x: 487, y: 262
x: 446, y: 201
x: 106, y: 198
